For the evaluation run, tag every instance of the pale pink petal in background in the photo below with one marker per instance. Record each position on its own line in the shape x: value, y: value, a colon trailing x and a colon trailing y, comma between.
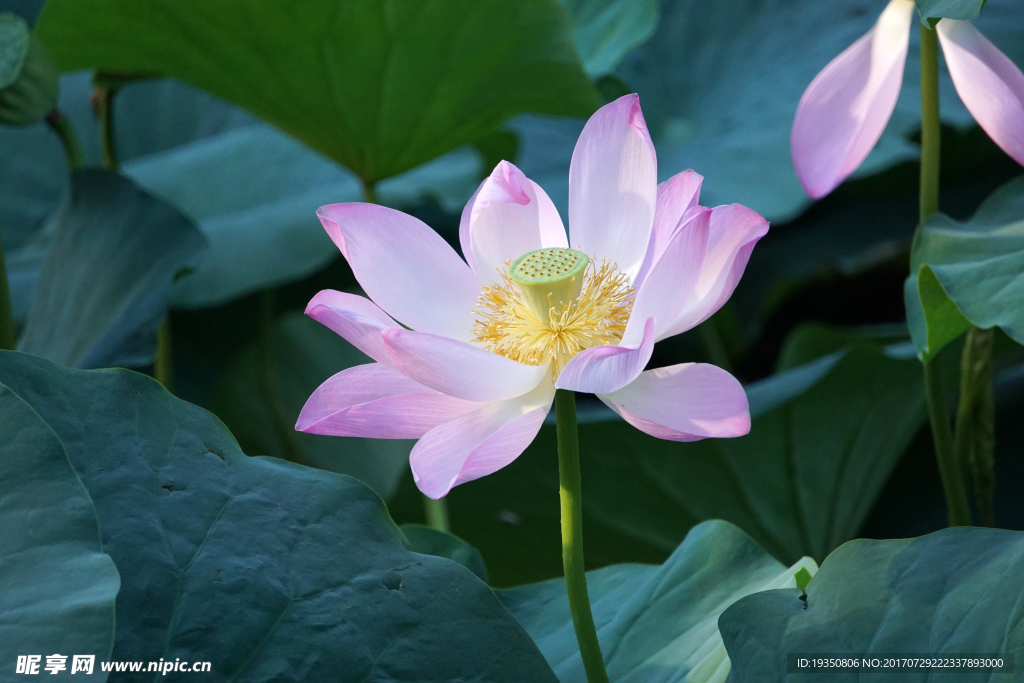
x: 684, y: 402
x: 734, y: 231
x: 376, y: 402
x: 603, y: 369
x: 990, y: 85
x: 357, y: 319
x: 613, y: 185
x: 405, y: 267
x: 478, y: 443
x: 508, y: 216
x: 845, y: 109
x: 676, y: 196
x: 671, y: 281
x: 460, y: 369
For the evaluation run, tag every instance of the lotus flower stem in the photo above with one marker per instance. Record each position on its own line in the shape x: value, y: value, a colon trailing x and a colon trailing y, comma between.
x: 163, y: 370
x: 942, y: 433
x: 437, y: 513
x: 66, y: 132
x: 572, y: 536
x: 103, y: 106
x: 930, y: 124
x: 974, y: 435
x: 8, y: 334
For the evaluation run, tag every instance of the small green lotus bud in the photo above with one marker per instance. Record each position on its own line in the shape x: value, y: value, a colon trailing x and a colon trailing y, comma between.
x: 549, y: 278
x: 28, y: 77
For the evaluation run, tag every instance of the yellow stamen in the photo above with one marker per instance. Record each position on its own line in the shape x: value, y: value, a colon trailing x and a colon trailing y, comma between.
x: 508, y: 326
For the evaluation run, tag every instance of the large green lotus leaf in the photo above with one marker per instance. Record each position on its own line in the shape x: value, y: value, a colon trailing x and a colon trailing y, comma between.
x: 720, y: 82
x: 606, y: 30
x: 424, y: 539
x: 969, y: 273
x: 59, y: 586
x: 261, y: 393
x: 656, y: 624
x: 267, y: 569
x: 824, y: 439
x: 953, y: 591
x: 963, y: 10
x: 380, y: 87
x: 104, y: 281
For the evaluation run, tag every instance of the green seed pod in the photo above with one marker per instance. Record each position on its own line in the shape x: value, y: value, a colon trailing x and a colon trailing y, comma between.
x: 28, y: 77
x: 549, y: 278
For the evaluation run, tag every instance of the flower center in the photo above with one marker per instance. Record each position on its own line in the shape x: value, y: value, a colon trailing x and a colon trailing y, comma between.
x: 552, y: 304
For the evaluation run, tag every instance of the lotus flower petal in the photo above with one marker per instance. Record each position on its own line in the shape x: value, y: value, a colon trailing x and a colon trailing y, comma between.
x: 405, y: 267
x: 459, y: 369
x: 734, y: 231
x: 845, y: 109
x: 478, y: 443
x: 374, y: 401
x: 990, y: 85
x: 357, y: 319
x: 603, y: 369
x: 684, y: 402
x: 613, y: 186
x: 508, y: 216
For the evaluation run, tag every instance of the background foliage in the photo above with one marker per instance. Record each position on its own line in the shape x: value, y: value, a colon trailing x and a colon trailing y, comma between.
x: 234, y: 121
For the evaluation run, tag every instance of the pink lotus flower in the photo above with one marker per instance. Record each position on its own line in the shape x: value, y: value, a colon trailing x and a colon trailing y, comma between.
x: 468, y: 354
x: 845, y: 109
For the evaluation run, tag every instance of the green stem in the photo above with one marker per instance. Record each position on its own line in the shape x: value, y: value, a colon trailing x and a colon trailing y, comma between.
x: 942, y: 434
x: 974, y: 436
x: 163, y: 368
x: 930, y: 127
x: 8, y: 333
x: 369, y: 193
x: 572, y: 536
x: 437, y: 514
x: 66, y: 132
x: 949, y: 468
x: 103, y: 104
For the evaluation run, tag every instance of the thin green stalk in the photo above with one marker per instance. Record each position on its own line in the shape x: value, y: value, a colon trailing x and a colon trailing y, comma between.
x: 66, y: 132
x: 103, y: 105
x: 437, y: 514
x: 974, y: 436
x: 942, y: 434
x: 572, y: 536
x: 949, y: 468
x: 8, y: 333
x: 931, y: 127
x: 163, y: 368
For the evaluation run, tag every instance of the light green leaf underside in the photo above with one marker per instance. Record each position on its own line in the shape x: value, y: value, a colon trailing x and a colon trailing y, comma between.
x: 104, y: 281
x: 606, y: 30
x: 969, y: 273
x: 953, y: 591
x: 656, y: 624
x: 934, y: 10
